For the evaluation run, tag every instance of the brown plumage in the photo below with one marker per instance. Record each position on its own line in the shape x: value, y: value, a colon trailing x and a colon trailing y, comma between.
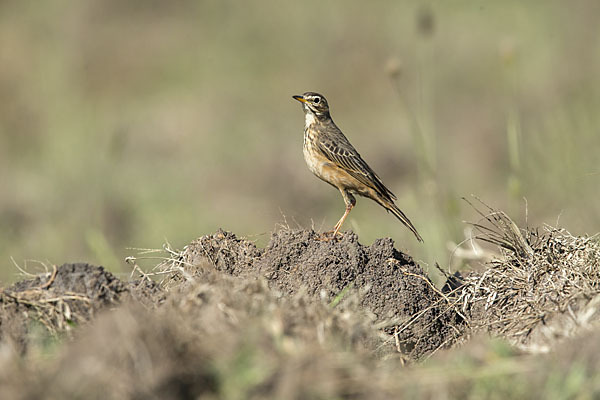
x: 330, y: 156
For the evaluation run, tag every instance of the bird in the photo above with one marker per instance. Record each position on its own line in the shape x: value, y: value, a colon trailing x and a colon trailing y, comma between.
x: 330, y: 156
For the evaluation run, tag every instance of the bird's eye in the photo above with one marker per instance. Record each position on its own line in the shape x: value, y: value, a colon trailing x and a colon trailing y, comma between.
x: 317, y: 100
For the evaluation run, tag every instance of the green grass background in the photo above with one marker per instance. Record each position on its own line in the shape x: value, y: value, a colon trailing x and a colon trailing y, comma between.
x: 125, y: 123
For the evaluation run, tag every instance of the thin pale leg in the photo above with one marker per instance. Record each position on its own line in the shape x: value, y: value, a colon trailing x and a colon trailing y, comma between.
x: 337, y: 226
x: 350, y: 202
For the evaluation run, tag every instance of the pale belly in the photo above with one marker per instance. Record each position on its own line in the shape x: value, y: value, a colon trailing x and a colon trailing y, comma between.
x: 313, y: 161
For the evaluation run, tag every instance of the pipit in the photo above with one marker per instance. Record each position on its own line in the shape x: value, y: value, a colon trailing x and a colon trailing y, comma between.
x: 330, y: 156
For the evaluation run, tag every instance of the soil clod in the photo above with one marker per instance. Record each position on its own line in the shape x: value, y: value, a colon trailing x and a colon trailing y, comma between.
x: 66, y: 297
x: 392, y: 286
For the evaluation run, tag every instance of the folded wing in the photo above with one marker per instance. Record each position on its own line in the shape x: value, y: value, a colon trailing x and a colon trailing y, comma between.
x: 345, y: 156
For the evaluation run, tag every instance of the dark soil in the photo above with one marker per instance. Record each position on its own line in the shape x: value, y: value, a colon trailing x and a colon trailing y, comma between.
x: 390, y: 284
x: 395, y: 290
x: 66, y: 297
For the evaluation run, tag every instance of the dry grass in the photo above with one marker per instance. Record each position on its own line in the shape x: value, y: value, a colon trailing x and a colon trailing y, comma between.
x: 543, y: 285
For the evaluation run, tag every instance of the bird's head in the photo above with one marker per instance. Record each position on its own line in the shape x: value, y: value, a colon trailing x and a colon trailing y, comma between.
x: 314, y: 103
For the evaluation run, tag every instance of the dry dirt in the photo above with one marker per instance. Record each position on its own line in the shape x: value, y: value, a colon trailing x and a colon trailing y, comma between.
x: 69, y: 295
x: 391, y: 285
x: 301, y: 318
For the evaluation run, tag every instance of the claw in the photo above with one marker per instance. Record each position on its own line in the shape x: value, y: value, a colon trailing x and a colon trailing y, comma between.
x: 330, y: 235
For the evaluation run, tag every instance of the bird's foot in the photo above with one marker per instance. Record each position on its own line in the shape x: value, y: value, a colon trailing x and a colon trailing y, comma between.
x: 330, y: 235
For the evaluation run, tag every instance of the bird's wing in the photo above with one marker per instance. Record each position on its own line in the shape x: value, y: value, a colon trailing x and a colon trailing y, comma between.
x: 345, y: 156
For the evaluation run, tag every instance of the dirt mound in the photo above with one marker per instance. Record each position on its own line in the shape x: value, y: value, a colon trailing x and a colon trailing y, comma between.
x: 400, y: 297
x: 391, y: 285
x: 66, y: 297
x: 220, y: 338
x: 303, y: 318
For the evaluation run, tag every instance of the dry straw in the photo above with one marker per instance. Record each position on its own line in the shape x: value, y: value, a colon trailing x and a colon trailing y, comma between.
x: 543, y: 285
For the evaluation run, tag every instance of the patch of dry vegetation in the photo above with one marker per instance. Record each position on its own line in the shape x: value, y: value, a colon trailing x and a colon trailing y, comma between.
x: 543, y: 286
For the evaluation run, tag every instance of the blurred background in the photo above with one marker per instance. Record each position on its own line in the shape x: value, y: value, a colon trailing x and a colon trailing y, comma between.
x: 125, y: 124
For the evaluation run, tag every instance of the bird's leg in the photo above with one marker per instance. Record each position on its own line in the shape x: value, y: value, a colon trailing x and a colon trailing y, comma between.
x: 350, y: 202
x: 337, y: 226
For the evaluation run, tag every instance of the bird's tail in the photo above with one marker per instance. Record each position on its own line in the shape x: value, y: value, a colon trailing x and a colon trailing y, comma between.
x: 391, y: 207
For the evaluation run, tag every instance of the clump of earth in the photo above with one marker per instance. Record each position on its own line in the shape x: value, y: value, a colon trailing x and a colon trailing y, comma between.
x: 302, y: 317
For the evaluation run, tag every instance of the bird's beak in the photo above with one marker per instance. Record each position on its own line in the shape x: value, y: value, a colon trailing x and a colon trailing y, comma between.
x: 299, y: 98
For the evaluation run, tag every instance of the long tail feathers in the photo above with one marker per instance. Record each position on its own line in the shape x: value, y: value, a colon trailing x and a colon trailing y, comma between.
x: 391, y: 207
